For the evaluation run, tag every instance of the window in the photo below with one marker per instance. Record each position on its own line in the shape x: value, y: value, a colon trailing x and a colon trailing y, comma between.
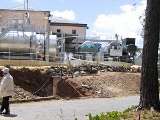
x: 58, y: 30
x: 73, y: 31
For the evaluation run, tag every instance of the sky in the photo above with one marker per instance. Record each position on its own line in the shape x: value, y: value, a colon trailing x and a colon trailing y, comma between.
x: 105, y: 18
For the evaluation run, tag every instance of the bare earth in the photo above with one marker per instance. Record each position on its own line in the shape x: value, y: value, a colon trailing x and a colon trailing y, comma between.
x: 101, y: 85
x: 108, y: 84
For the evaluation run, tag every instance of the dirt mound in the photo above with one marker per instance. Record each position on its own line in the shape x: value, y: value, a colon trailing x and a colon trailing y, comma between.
x: 103, y: 84
x: 108, y: 84
x: 20, y: 93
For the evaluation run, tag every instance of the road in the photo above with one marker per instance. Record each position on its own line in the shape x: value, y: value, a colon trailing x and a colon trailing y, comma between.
x: 68, y: 109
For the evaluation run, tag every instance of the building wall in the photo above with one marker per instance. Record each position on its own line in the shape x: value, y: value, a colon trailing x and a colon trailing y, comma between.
x: 80, y: 31
x: 71, y: 43
x: 37, y: 18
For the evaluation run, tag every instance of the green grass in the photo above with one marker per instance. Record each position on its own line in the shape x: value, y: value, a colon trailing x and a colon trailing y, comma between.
x: 114, y: 115
x: 128, y: 114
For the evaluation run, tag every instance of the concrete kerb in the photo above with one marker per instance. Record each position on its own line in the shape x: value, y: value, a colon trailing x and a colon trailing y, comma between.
x: 43, y: 99
x: 34, y: 99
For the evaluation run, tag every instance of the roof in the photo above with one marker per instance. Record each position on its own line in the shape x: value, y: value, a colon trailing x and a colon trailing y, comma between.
x: 63, y: 21
x: 56, y: 19
x: 88, y: 46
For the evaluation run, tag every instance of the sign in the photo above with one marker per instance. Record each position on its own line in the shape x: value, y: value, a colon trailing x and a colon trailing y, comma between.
x: 114, y: 52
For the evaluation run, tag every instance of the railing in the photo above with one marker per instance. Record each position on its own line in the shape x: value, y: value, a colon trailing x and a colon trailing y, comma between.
x: 5, y: 30
x: 7, y: 21
x: 8, y: 24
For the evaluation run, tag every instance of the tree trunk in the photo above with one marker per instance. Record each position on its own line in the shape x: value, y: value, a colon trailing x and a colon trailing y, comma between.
x: 149, y: 89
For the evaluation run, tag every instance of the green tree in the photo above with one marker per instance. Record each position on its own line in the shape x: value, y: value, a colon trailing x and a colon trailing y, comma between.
x: 149, y: 89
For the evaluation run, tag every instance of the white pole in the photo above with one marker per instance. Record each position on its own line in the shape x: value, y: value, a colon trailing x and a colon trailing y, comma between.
x: 9, y: 53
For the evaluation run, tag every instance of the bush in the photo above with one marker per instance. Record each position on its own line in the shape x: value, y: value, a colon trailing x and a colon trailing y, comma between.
x: 114, y: 115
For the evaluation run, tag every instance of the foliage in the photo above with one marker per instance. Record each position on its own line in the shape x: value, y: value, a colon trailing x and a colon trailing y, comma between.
x: 114, y: 115
x: 128, y: 114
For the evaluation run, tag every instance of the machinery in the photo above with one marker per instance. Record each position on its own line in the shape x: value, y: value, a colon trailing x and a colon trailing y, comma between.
x: 120, y: 50
x: 21, y: 38
x: 26, y: 45
x: 18, y: 45
x: 129, y: 50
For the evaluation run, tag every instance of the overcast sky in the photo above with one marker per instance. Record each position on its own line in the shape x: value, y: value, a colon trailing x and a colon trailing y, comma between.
x: 105, y: 18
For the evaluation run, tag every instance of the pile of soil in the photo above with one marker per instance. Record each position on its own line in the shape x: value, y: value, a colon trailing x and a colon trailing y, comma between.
x: 108, y: 84
x: 102, y: 84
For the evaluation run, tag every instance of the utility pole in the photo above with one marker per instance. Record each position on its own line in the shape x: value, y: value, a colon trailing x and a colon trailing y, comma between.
x: 24, y: 4
x: 27, y: 4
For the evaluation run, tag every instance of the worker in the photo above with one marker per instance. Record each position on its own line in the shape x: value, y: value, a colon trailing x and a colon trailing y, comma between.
x: 7, y: 90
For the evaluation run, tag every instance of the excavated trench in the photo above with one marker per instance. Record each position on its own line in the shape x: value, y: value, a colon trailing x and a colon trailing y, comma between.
x: 35, y: 82
x: 39, y: 83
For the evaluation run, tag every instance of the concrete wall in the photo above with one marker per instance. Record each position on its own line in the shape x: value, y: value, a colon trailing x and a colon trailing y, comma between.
x: 111, y: 63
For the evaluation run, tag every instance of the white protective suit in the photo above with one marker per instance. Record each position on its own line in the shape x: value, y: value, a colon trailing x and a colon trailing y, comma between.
x: 7, y: 85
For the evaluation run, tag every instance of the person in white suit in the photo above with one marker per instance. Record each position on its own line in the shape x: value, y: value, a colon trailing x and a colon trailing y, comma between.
x: 7, y: 90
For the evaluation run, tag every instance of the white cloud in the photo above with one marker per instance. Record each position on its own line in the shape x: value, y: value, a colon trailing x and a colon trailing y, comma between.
x: 125, y: 24
x: 68, y: 14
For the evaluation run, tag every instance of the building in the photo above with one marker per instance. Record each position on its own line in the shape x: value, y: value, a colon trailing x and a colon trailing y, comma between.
x: 69, y: 33
x: 15, y: 25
